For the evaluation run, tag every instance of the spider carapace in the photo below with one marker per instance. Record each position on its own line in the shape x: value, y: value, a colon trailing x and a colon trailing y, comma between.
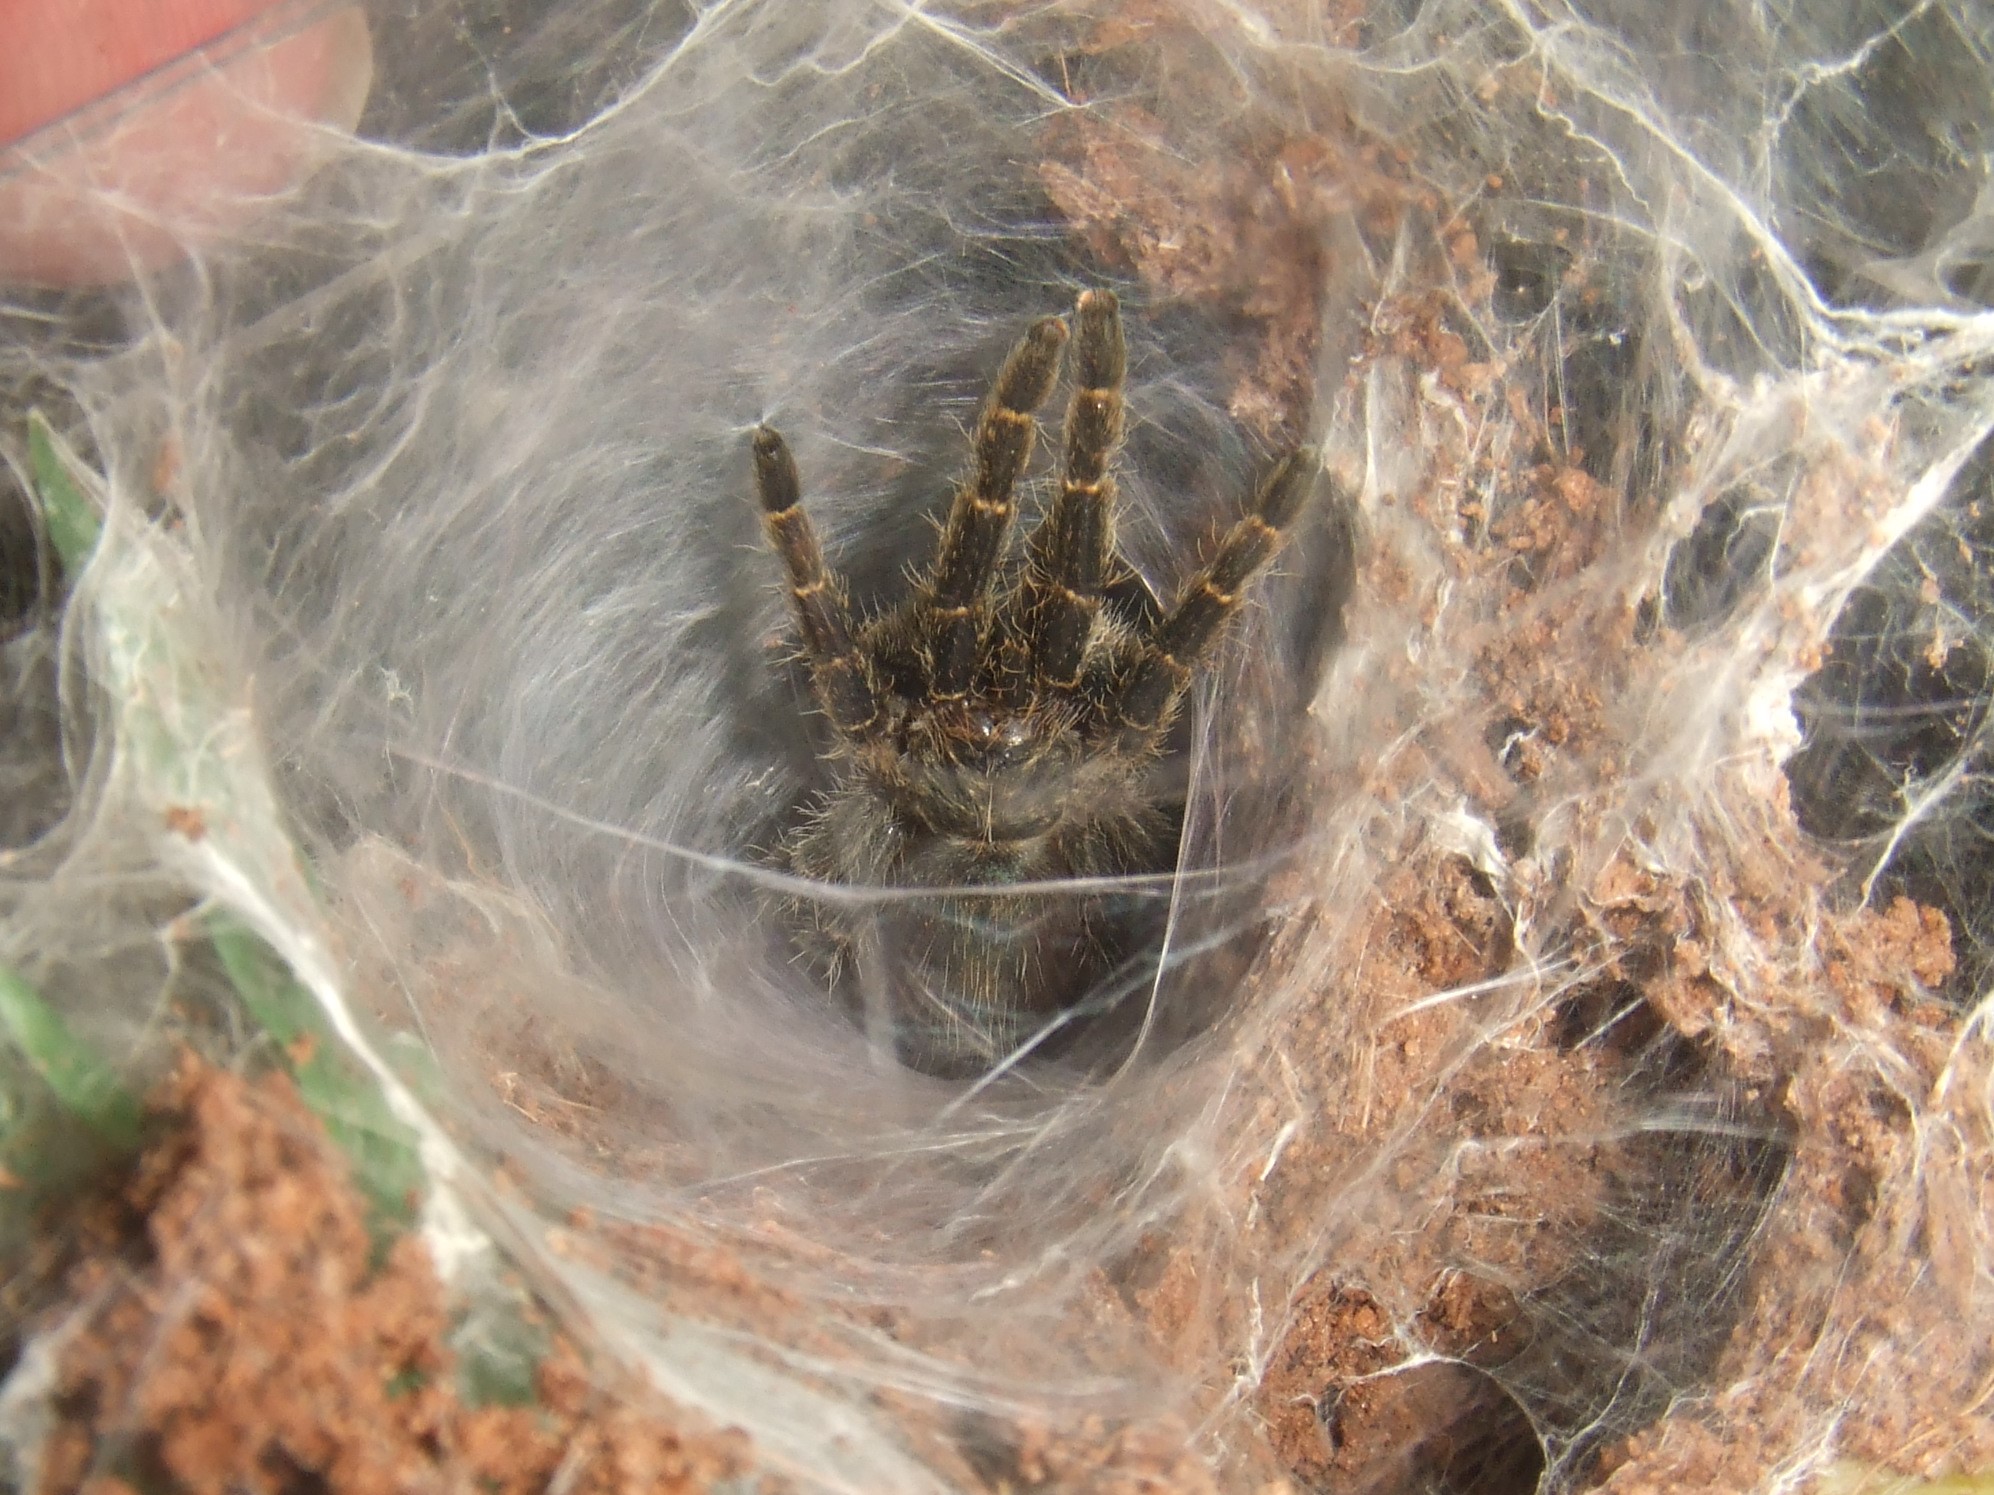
x: 1002, y: 725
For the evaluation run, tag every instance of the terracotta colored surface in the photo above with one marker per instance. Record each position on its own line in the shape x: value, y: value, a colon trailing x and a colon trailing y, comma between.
x: 59, y: 55
x: 184, y: 155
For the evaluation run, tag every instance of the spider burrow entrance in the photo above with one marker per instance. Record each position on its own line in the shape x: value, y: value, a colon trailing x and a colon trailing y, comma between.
x: 999, y: 729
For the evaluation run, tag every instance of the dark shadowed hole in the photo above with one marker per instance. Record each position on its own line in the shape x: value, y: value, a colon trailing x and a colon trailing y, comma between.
x: 20, y: 565
x: 1895, y: 767
x: 1970, y: 277
x: 1441, y: 1428
x: 1726, y: 556
x: 1527, y: 277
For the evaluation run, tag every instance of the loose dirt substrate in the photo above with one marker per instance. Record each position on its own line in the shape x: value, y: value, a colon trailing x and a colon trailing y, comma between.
x: 1853, y: 1242
x: 223, y: 1327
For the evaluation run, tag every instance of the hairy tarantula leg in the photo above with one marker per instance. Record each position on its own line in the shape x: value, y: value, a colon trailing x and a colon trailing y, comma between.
x: 1146, y: 698
x: 980, y: 518
x: 837, y: 670
x: 1068, y: 551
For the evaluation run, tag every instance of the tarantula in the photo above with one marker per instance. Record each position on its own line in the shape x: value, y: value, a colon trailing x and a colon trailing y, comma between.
x: 1002, y: 726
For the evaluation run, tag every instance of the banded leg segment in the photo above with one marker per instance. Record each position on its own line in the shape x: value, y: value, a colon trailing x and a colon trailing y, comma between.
x: 1147, y: 696
x: 979, y: 520
x: 1067, y: 555
x: 837, y: 670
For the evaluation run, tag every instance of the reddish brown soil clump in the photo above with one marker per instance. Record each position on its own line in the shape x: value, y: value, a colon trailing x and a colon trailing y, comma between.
x: 226, y: 1326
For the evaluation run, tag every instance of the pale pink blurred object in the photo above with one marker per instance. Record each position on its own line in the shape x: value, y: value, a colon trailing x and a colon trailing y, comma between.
x: 132, y: 134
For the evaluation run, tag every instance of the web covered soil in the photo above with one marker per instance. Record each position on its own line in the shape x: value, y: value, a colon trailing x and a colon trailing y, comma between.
x: 226, y: 1322
x: 1788, y: 1228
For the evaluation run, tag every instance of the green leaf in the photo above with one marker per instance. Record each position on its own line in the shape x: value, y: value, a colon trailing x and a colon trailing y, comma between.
x: 87, y: 1087
x: 73, y: 524
x: 498, y: 1358
x: 382, y: 1151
